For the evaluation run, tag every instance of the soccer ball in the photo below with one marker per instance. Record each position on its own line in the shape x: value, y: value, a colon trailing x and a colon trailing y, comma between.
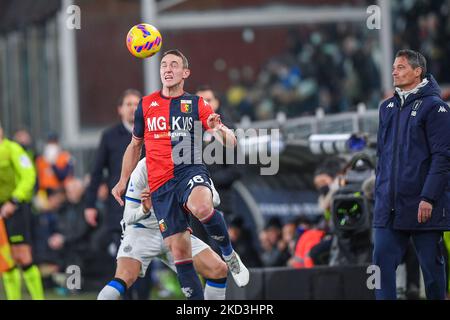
x: 144, y: 40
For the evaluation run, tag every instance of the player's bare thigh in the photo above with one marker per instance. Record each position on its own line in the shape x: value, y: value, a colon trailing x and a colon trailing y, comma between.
x: 128, y: 270
x: 179, y: 245
x: 209, y: 264
x: 200, y: 202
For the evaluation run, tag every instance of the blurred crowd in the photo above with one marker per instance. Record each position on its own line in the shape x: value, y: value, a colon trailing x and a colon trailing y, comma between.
x: 335, y: 67
x: 328, y: 66
x: 425, y: 26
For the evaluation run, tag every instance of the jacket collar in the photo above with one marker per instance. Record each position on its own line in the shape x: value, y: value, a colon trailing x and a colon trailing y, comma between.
x: 404, y: 94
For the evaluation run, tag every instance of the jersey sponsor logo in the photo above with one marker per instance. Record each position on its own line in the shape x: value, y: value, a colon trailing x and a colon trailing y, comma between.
x: 127, y: 249
x: 182, y: 123
x: 154, y: 104
x: 156, y: 124
x: 186, y: 106
x: 178, y: 123
x: 390, y: 105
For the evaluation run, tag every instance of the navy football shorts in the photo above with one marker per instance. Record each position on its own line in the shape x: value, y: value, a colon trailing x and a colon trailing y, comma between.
x: 170, y: 199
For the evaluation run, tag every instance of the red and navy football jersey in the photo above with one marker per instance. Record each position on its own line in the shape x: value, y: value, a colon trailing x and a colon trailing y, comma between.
x: 167, y: 126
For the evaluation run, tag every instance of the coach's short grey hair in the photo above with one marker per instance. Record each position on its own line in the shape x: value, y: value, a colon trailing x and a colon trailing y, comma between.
x: 415, y: 59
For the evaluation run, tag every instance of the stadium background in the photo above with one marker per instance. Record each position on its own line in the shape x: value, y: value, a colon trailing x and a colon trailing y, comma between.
x: 305, y: 67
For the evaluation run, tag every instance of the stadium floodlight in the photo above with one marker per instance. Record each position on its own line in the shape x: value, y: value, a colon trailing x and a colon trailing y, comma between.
x: 336, y: 143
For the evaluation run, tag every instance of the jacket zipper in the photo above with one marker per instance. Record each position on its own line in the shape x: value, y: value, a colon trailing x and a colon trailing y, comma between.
x: 394, y: 182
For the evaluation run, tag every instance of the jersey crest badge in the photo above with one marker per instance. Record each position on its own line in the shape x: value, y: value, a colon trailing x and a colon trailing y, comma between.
x: 186, y: 106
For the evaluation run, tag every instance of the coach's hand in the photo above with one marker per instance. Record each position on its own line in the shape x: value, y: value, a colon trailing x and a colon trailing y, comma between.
x: 118, y: 191
x: 424, y: 213
x: 8, y: 210
x: 90, y: 214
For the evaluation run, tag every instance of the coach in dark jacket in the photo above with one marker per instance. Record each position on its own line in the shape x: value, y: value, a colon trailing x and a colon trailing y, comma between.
x: 113, y: 144
x: 412, y: 180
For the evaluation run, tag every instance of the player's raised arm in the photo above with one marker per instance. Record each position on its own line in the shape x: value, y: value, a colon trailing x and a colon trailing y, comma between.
x: 211, y: 120
x: 131, y: 156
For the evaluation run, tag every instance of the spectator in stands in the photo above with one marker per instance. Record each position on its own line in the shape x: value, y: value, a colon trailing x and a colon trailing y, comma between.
x: 55, y: 166
x: 241, y: 240
x: 275, y: 252
x: 289, y: 235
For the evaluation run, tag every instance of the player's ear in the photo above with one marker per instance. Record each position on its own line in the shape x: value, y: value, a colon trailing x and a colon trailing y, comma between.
x: 186, y: 73
x: 418, y: 71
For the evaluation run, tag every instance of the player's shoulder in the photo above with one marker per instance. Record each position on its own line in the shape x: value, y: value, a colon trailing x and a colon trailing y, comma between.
x: 151, y: 98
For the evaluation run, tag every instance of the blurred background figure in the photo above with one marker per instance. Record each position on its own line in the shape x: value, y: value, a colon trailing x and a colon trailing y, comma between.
x: 224, y: 172
x: 275, y: 251
x: 55, y: 166
x: 23, y: 138
x: 45, y: 225
x: 242, y: 242
x: 309, y: 237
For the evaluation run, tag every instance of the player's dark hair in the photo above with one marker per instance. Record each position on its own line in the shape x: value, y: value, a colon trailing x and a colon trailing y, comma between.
x: 129, y: 92
x: 205, y: 87
x: 177, y: 53
x: 415, y: 59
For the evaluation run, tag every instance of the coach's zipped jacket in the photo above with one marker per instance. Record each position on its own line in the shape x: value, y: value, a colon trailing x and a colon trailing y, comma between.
x: 413, y: 151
